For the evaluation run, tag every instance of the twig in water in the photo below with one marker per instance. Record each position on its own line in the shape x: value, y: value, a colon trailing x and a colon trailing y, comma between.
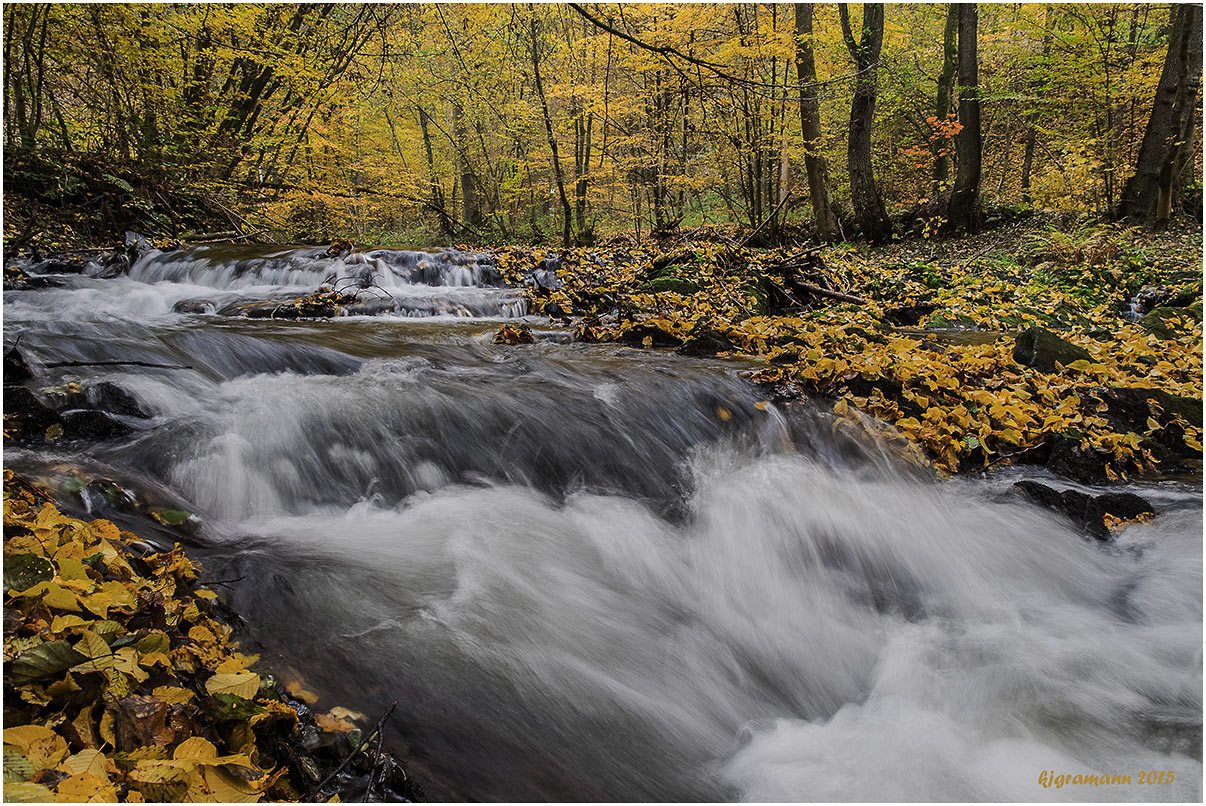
x: 1006, y: 456
x: 115, y: 364
x: 363, y: 744
x: 224, y: 583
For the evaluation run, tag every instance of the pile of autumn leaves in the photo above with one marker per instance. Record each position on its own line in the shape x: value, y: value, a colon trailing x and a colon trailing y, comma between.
x: 942, y: 401
x: 119, y: 685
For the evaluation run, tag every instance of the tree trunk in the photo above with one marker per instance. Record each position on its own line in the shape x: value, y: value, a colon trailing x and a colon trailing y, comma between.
x: 1032, y: 128
x: 810, y: 126
x: 946, y: 84
x: 548, y: 128
x: 962, y: 212
x: 470, y: 197
x: 869, y: 210
x: 437, y: 193
x: 1147, y: 198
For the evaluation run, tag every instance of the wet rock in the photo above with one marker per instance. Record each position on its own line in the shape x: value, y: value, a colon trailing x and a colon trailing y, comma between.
x: 26, y: 414
x: 636, y: 335
x: 136, y: 245
x: 24, y: 282
x: 1130, y: 407
x: 1150, y: 297
x: 1086, y: 511
x: 282, y: 309
x: 92, y: 425
x: 706, y: 341
x: 339, y: 248
x: 1041, y: 349
x: 109, y: 266
x: 544, y: 276
x: 1069, y: 460
x: 60, y: 265
x: 110, y: 397
x: 15, y: 368
x: 197, y: 305
x: 910, y: 315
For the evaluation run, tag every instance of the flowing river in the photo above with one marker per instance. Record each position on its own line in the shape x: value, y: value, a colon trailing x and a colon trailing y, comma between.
x: 594, y: 573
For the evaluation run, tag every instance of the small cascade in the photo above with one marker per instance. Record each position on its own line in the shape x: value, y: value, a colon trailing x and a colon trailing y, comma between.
x: 228, y: 267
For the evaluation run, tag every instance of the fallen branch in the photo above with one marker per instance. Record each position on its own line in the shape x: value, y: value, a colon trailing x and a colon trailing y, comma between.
x: 824, y: 292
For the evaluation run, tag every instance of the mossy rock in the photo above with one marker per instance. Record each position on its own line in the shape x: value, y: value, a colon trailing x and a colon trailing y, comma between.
x: 1165, y: 322
x: 1042, y: 349
x: 669, y: 282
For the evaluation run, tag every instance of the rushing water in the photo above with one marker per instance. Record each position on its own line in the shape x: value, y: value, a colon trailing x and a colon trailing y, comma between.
x: 595, y: 573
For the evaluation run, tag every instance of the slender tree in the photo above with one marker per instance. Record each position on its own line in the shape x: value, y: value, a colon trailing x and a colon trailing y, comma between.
x: 961, y: 214
x: 1168, y: 140
x: 869, y: 209
x: 810, y: 126
x: 946, y: 85
x: 566, y: 210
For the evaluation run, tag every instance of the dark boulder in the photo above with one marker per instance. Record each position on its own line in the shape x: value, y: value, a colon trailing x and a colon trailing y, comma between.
x: 26, y: 415
x: 109, y: 266
x: 1086, y: 511
x: 89, y: 424
x: 637, y: 334
x: 910, y: 315
x: 110, y: 397
x: 1041, y: 349
x: 15, y: 368
x: 136, y: 245
x: 1130, y: 408
x: 1069, y: 460
x: 706, y: 341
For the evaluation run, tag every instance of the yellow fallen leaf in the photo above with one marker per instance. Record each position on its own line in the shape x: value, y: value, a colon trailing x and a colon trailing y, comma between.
x: 195, y: 748
x: 333, y: 724
x: 86, y: 788
x: 172, y: 695
x: 93, y: 762
x: 27, y: 793
x: 244, y: 684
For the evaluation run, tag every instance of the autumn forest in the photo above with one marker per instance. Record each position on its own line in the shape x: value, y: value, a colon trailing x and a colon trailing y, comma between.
x: 565, y: 122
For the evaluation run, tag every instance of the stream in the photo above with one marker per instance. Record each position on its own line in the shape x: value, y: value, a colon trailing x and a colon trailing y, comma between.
x: 588, y: 572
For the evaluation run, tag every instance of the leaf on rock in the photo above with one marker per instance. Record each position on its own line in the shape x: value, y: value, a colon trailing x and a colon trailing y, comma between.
x: 23, y: 571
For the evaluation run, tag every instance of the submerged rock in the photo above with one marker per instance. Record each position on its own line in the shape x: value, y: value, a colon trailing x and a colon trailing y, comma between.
x: 197, y: 305
x: 1041, y: 349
